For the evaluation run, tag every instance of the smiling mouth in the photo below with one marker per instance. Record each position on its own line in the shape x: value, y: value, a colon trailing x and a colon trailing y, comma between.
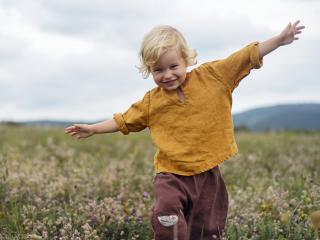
x: 168, y: 82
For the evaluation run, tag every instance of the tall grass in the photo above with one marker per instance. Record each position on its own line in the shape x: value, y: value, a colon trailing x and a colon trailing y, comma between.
x: 55, y: 187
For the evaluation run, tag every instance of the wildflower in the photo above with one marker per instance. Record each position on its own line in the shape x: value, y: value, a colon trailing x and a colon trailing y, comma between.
x: 59, y: 221
x: 62, y: 232
x: 146, y: 194
x: 68, y: 227
x: 266, y: 207
x: 126, y: 208
x: 86, y: 227
x: 301, y: 213
x: 285, y: 218
x: 308, y: 200
x: 133, y: 211
x: 34, y: 237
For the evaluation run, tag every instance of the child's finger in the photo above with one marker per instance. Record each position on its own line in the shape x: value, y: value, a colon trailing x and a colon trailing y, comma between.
x: 288, y: 26
x: 69, y: 128
x: 74, y: 134
x: 296, y: 23
x: 77, y: 125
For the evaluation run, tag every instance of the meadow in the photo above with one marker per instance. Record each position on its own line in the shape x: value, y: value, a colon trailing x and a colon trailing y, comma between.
x: 53, y: 186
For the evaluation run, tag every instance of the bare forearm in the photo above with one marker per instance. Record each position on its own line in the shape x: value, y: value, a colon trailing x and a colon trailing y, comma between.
x: 287, y: 36
x: 108, y: 126
x: 268, y: 46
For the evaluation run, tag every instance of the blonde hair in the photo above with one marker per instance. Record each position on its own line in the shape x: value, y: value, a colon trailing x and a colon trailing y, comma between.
x: 157, y: 42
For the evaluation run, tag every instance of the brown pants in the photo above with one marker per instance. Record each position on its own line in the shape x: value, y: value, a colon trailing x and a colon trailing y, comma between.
x: 189, y: 207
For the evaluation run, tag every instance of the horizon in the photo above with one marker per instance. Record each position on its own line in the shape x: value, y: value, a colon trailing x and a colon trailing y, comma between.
x: 97, y: 120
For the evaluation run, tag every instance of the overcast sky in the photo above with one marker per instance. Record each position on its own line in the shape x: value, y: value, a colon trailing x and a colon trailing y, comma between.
x: 75, y: 59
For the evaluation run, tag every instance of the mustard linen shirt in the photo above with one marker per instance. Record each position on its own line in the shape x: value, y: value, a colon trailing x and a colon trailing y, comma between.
x: 194, y: 136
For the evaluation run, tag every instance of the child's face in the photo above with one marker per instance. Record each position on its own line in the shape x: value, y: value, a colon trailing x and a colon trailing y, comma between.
x: 170, y: 70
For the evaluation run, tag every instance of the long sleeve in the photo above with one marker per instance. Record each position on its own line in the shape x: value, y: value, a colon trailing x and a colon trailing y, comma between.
x: 235, y: 67
x: 136, y: 118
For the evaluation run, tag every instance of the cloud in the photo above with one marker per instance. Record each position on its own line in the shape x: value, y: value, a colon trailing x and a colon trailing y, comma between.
x: 71, y: 59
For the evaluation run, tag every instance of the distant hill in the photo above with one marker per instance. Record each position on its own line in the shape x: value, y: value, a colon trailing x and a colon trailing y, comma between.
x: 280, y: 117
x: 50, y: 123
x: 44, y: 123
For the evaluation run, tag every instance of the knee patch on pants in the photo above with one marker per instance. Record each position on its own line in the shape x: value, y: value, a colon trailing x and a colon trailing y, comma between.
x: 168, y: 220
x: 166, y: 225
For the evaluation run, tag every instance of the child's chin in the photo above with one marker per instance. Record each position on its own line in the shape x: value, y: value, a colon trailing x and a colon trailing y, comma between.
x: 171, y: 88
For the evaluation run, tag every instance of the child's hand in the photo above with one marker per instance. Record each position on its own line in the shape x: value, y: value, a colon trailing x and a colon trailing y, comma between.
x: 79, y: 130
x: 288, y: 35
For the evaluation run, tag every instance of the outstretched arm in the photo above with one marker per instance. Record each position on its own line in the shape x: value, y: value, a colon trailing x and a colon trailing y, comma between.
x: 87, y: 130
x: 287, y: 36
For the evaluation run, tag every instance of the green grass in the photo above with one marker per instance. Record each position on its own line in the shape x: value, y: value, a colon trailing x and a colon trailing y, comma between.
x: 53, y: 186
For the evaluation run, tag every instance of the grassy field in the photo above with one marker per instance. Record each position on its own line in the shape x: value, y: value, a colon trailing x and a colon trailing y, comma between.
x: 55, y: 187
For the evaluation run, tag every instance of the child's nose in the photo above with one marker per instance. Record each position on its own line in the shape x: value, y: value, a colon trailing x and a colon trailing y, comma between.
x: 168, y: 74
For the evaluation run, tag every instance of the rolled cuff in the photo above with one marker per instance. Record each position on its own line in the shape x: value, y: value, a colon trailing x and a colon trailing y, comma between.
x: 255, y: 60
x: 118, y: 117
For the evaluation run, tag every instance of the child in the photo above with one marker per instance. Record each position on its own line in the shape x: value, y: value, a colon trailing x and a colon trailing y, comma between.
x: 189, y: 117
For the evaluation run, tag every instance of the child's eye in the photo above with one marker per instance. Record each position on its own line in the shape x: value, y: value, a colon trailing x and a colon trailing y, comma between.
x: 174, y: 66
